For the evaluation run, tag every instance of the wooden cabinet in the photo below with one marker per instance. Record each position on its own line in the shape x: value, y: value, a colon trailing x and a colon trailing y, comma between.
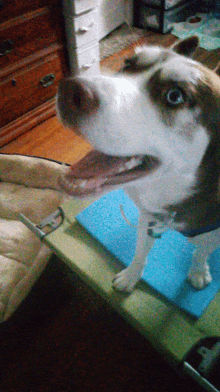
x: 32, y: 61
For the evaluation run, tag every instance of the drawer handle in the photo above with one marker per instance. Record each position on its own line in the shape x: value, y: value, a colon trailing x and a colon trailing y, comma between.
x: 85, y: 29
x: 87, y: 66
x: 47, y: 80
x: 6, y: 47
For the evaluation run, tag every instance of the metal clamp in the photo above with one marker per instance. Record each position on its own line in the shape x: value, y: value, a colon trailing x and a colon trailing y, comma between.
x: 52, y: 222
x: 198, y: 378
x: 201, y: 363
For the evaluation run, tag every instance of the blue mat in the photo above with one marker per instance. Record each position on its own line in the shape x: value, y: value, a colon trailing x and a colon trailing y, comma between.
x: 168, y: 261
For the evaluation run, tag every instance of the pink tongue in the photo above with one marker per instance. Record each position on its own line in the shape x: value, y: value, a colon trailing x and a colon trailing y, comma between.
x: 95, y: 164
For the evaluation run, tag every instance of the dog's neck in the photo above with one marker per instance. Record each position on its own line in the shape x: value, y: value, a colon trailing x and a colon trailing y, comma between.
x: 203, y: 208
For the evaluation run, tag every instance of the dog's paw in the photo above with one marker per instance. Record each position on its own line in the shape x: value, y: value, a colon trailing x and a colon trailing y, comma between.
x: 126, y: 280
x: 200, y: 279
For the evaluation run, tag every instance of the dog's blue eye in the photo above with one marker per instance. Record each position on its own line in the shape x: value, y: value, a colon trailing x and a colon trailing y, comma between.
x: 175, y: 97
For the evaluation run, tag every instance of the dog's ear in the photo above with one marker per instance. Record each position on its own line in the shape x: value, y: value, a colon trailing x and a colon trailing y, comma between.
x: 187, y: 46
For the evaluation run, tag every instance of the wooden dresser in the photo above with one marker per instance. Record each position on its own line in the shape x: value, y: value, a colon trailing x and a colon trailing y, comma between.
x: 32, y: 61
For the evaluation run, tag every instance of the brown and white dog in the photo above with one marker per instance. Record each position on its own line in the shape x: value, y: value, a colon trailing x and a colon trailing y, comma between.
x: 155, y: 129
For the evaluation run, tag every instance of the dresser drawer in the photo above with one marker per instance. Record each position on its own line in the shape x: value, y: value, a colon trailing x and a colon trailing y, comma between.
x: 30, y: 86
x: 83, y: 29
x: 11, y: 8
x: 79, y: 6
x: 87, y: 60
x: 28, y: 34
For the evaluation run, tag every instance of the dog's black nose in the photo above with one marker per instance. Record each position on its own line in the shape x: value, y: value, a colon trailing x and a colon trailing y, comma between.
x: 79, y: 94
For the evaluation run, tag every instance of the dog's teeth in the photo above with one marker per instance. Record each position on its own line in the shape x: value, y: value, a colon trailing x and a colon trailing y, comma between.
x: 130, y: 164
x: 133, y: 162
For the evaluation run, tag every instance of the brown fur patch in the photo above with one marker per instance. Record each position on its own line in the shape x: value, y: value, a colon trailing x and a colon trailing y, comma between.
x: 209, y: 100
x: 159, y: 87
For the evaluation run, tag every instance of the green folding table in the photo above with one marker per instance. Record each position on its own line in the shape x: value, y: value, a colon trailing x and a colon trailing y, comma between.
x: 192, y: 345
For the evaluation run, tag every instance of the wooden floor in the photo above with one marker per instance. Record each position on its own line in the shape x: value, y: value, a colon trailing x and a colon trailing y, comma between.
x: 49, y: 140
x: 63, y: 337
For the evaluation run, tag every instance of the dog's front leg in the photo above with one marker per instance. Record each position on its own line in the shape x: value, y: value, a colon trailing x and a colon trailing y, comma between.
x: 127, y: 279
x: 199, y: 274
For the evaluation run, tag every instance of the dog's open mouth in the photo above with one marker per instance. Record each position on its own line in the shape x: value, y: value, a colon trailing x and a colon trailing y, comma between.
x: 98, y: 171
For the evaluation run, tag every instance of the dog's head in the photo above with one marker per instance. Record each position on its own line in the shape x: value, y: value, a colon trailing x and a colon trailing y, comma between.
x: 160, y: 111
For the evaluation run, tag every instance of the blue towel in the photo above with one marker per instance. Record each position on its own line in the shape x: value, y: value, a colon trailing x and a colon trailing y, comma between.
x: 168, y: 261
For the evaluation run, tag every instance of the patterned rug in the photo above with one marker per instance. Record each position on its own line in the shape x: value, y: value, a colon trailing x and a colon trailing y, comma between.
x: 119, y: 39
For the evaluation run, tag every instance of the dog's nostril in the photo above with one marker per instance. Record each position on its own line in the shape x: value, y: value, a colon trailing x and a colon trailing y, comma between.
x: 81, y: 94
x: 85, y: 96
